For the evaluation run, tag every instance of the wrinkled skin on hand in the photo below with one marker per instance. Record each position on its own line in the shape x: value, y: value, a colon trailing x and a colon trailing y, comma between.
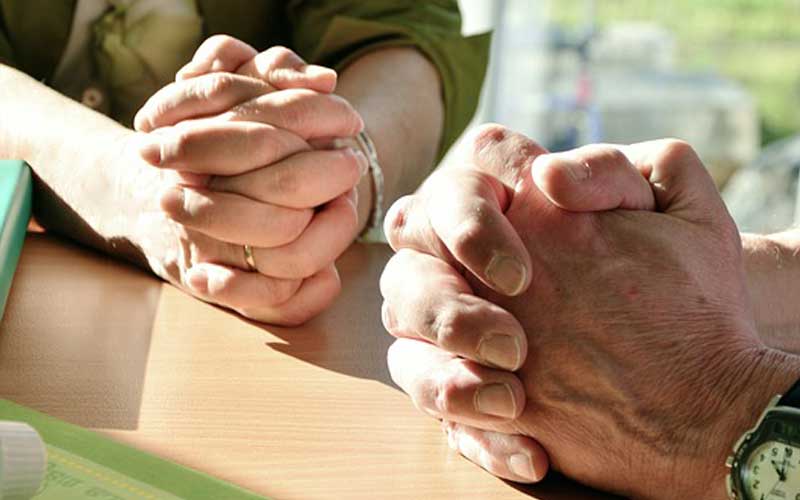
x: 642, y: 350
x: 631, y: 317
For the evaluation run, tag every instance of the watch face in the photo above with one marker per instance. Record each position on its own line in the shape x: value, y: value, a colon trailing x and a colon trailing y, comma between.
x: 773, y: 472
x: 770, y: 463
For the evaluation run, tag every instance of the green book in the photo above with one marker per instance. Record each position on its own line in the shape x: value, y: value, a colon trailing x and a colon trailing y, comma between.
x: 15, y: 210
x: 82, y: 465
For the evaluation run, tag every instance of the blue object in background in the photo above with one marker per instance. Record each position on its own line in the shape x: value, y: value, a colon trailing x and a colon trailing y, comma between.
x: 15, y: 211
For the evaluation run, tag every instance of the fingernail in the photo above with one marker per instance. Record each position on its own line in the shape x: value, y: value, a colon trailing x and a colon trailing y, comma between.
x: 507, y: 274
x: 522, y: 465
x: 344, y: 142
x: 198, y: 280
x: 315, y: 71
x: 452, y: 441
x: 497, y: 400
x: 500, y: 350
x: 363, y: 164
x: 189, y: 70
x: 172, y: 203
x: 150, y: 149
x: 387, y: 317
x: 578, y: 170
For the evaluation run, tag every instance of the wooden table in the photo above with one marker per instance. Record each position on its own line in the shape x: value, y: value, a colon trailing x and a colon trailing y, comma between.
x: 289, y: 413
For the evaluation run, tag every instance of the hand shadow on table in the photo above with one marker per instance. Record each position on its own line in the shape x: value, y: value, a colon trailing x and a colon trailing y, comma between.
x: 552, y: 488
x: 350, y: 339
x: 76, y: 336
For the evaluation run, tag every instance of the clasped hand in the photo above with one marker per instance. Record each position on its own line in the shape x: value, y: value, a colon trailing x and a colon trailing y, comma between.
x: 586, y: 310
x: 247, y: 147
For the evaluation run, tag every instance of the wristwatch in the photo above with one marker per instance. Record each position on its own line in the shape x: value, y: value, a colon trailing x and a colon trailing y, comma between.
x: 765, y: 464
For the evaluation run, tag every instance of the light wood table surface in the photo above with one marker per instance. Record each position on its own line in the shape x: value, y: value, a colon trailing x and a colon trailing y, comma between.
x: 300, y: 413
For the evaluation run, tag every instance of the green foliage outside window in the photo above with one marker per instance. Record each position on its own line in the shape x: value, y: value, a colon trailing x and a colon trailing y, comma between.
x: 756, y: 42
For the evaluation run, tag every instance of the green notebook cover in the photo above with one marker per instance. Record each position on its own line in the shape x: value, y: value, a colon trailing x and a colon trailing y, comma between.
x: 83, y: 465
x: 15, y: 210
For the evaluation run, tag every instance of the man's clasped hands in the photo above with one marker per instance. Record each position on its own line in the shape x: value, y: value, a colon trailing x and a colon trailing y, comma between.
x: 585, y: 311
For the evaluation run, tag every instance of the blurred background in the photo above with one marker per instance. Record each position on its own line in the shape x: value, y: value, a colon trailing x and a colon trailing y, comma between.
x: 723, y: 75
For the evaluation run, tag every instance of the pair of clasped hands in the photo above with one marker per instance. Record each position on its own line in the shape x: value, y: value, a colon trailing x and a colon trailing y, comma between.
x: 584, y: 311
x: 252, y: 150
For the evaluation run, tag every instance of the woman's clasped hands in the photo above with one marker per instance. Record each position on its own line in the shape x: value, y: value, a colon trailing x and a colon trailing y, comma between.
x: 257, y: 187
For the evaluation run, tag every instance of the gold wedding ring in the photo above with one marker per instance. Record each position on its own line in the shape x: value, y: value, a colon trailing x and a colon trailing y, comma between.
x: 249, y: 258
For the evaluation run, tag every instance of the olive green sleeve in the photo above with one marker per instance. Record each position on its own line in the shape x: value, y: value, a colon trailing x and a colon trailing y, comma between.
x: 6, y: 54
x: 35, y: 34
x: 334, y: 32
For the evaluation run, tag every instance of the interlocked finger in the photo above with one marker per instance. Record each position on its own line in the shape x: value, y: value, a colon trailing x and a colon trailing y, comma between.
x: 451, y: 388
x: 426, y: 299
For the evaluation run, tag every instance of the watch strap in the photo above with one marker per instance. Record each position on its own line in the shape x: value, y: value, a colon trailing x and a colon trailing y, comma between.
x: 791, y: 397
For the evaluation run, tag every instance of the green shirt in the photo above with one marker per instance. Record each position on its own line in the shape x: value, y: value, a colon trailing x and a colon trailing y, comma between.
x: 33, y: 34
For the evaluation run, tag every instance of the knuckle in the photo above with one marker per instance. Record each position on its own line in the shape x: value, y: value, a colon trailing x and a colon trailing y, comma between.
x: 554, y: 169
x: 501, y: 151
x: 295, y: 222
x: 277, y: 144
x: 395, y: 222
x: 214, y: 85
x: 676, y: 150
x: 550, y: 175
x: 303, y: 262
x: 488, y: 135
x: 449, y: 327
x: 178, y: 148
x: 244, y: 109
x: 609, y: 154
x: 216, y: 42
x: 297, y: 109
x: 299, y: 222
x: 446, y: 394
x: 467, y: 236
x: 281, y: 291
x: 155, y: 115
x: 283, y: 57
x: 158, y: 105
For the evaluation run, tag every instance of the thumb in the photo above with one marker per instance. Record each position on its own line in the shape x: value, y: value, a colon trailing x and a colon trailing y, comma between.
x: 665, y: 175
x: 680, y: 183
x: 219, y: 53
x: 278, y: 66
x: 591, y: 179
x: 283, y: 69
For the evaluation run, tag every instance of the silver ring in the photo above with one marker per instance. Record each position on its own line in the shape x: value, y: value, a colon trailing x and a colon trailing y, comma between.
x: 249, y: 258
